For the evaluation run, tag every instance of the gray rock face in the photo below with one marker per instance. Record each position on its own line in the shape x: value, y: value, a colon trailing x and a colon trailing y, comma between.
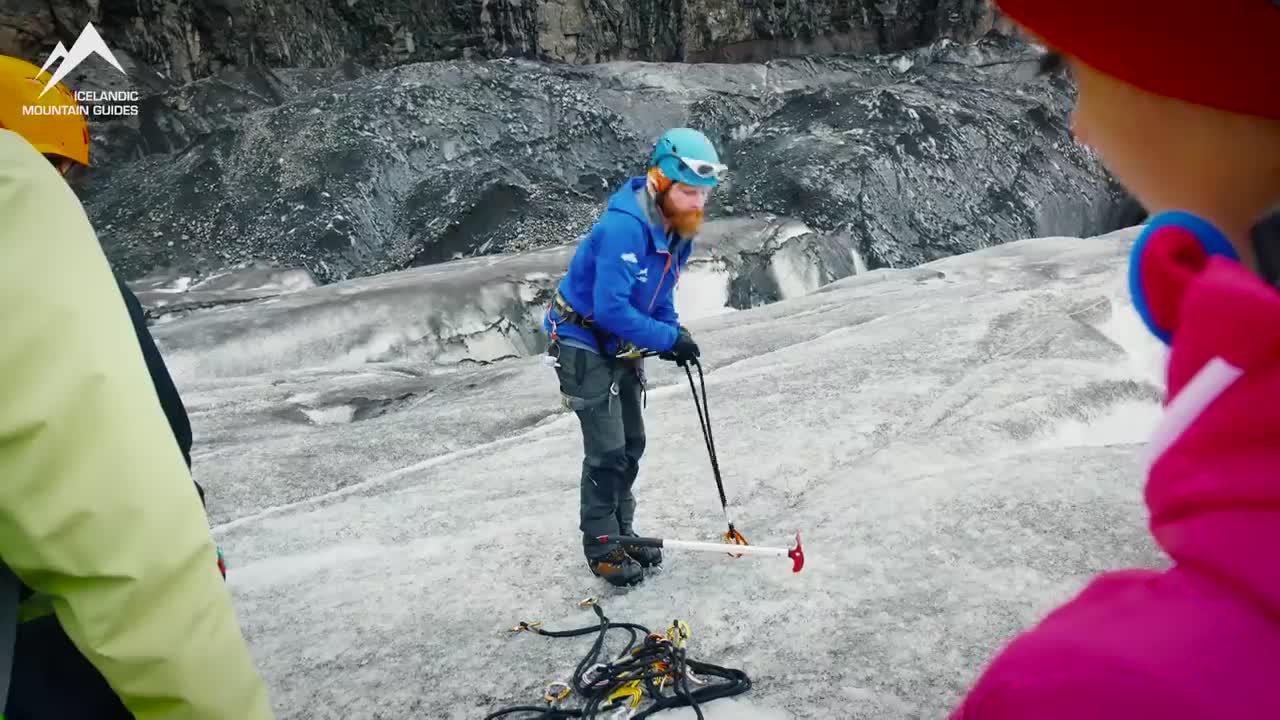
x: 187, y: 40
x: 956, y: 153
x: 427, y: 162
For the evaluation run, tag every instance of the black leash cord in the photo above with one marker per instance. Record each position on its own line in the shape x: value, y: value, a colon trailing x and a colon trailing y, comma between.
x: 704, y: 419
x: 637, y: 662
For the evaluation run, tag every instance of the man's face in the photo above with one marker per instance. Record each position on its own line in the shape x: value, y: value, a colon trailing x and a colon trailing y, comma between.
x: 683, y: 206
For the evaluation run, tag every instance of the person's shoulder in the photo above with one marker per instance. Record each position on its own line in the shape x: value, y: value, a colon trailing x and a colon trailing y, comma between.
x: 1092, y: 657
x: 621, y: 227
x: 45, y: 228
x: 24, y: 172
x: 1107, y: 688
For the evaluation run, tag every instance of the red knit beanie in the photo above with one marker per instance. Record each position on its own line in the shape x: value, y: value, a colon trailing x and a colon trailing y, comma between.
x: 1220, y: 53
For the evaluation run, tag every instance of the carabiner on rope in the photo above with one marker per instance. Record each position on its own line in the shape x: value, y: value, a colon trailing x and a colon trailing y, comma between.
x: 556, y: 692
x: 631, y: 694
x: 594, y: 673
x: 678, y: 633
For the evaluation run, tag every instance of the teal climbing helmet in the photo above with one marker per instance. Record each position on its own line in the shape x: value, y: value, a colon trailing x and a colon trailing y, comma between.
x: 685, y: 155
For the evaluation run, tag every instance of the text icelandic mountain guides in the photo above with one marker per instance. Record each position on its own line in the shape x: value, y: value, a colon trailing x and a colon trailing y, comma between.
x: 88, y: 102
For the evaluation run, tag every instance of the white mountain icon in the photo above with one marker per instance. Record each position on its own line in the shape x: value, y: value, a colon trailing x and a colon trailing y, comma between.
x: 89, y: 43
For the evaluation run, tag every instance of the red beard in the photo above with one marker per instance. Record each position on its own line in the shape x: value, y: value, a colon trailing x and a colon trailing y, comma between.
x: 686, y: 222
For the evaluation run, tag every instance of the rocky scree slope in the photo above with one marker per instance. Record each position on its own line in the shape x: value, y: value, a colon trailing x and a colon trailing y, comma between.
x: 911, y: 156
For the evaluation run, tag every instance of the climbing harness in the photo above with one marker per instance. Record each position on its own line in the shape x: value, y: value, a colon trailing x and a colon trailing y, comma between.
x: 569, y: 316
x: 653, y: 668
x: 560, y: 308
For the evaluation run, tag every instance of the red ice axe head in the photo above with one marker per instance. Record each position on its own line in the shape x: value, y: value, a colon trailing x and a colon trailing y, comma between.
x: 797, y: 556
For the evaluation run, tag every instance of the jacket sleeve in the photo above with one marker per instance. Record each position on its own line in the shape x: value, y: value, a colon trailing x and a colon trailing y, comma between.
x: 665, y: 311
x: 1104, y: 693
x: 97, y: 510
x: 618, y: 252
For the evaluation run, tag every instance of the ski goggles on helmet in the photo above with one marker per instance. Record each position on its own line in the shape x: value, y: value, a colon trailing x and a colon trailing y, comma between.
x: 704, y: 169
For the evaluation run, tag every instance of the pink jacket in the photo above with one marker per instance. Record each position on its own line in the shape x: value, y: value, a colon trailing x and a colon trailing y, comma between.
x: 1202, y: 639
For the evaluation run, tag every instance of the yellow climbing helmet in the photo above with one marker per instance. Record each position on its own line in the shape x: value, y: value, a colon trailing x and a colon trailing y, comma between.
x: 54, y: 123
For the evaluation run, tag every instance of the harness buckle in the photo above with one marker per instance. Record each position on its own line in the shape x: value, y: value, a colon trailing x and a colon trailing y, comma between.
x: 566, y: 311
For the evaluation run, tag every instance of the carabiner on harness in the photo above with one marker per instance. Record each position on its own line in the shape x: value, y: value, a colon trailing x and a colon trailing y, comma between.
x: 552, y: 357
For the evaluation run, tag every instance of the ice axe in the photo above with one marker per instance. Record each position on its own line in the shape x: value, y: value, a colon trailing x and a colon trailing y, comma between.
x: 796, y: 553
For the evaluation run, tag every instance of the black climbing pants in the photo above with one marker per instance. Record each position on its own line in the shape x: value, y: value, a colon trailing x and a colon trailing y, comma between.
x: 606, y: 396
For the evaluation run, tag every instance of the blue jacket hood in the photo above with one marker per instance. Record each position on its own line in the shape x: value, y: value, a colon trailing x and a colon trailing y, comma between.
x: 626, y: 199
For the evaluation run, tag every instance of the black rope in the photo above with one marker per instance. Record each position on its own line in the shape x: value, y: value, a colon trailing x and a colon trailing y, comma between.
x: 704, y: 420
x: 639, y: 661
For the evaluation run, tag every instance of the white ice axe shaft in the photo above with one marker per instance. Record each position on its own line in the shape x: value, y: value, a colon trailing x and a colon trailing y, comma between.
x: 795, y: 553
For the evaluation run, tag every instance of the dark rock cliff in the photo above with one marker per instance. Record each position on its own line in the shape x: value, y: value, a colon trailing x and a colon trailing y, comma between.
x: 190, y: 39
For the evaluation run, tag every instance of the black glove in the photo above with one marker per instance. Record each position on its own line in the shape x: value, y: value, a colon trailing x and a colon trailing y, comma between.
x: 684, y: 350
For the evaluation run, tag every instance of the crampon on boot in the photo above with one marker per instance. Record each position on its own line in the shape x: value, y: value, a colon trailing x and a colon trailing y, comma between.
x: 617, y: 568
x: 646, y: 556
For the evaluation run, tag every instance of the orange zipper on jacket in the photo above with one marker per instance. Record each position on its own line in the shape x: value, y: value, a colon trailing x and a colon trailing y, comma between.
x: 657, y: 290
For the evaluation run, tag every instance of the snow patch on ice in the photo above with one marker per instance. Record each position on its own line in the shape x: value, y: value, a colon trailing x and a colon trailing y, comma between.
x: 742, y: 132
x: 380, y: 343
x: 180, y: 284
x: 337, y: 415
x: 1127, y: 423
x: 1147, y: 355
x: 794, y: 272
x: 859, y: 263
x: 793, y: 229
x: 703, y: 291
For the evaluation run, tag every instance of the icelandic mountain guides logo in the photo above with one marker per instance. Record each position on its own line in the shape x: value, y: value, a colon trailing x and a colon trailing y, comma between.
x: 88, y: 102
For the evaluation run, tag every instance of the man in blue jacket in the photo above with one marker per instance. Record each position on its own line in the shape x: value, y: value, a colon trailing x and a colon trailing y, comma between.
x: 618, y: 301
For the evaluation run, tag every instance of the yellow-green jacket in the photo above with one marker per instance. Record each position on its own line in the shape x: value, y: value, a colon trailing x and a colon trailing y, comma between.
x: 98, y: 514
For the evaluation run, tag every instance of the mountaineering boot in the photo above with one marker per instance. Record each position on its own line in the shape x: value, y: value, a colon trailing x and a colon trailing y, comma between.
x: 617, y: 568
x: 646, y: 556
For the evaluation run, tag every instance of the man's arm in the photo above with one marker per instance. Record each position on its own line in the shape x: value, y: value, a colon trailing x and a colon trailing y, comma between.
x: 96, y: 509
x: 618, y: 254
